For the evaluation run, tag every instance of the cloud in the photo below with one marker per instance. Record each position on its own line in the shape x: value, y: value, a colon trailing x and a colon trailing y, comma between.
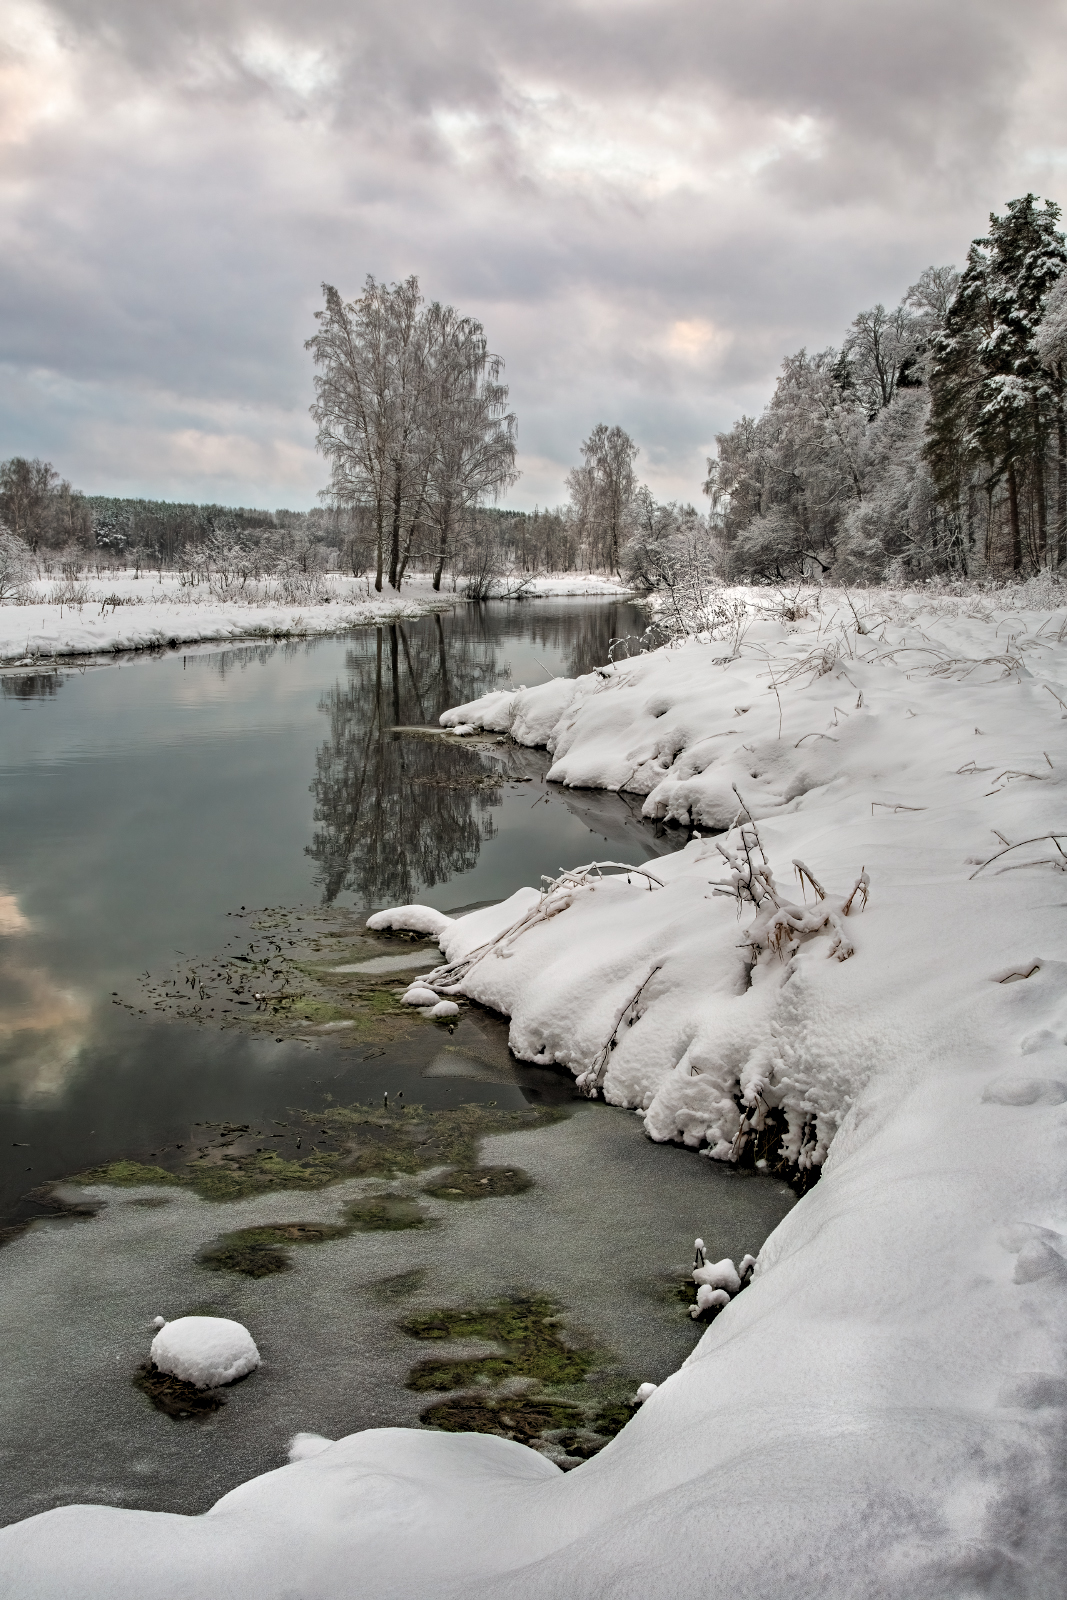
x: 647, y: 202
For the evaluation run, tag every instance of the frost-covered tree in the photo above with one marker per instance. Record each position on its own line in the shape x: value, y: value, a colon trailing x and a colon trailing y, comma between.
x: 786, y: 480
x: 412, y: 416
x: 993, y: 397
x: 1052, y: 348
x: 601, y: 490
x: 473, y: 453
x: 16, y: 563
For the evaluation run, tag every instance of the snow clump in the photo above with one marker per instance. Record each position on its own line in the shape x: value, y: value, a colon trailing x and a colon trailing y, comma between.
x: 420, y: 995
x: 411, y: 919
x: 205, y: 1351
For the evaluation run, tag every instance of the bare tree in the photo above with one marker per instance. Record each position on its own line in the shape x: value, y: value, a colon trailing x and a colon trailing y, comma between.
x: 473, y: 452
x: 602, y: 488
x: 370, y: 396
x: 411, y: 413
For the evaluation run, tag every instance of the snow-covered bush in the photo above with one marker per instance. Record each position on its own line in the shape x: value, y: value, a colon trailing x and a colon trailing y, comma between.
x: 16, y: 564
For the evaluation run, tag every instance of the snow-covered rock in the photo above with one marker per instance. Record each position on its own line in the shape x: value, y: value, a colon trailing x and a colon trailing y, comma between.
x: 411, y: 919
x: 445, y: 1008
x: 207, y: 1351
x: 420, y: 995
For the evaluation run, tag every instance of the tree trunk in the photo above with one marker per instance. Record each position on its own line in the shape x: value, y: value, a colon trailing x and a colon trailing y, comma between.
x: 442, y: 548
x: 1040, y: 495
x: 394, y: 536
x: 1059, y: 553
x: 1013, y: 519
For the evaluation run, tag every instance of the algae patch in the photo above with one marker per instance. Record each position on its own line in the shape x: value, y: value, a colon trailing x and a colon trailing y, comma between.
x: 528, y: 1389
x: 299, y: 970
x: 261, y: 1252
x: 479, y: 1183
x: 125, y: 1175
x: 341, y: 1142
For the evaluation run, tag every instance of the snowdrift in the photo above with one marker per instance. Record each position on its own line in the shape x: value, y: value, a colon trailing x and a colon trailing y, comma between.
x: 881, y: 1411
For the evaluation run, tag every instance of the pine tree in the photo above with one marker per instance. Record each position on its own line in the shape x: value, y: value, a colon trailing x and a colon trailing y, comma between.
x: 993, y: 399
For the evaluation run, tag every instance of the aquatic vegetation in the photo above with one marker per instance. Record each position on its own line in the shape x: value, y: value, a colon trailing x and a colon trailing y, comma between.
x: 262, y: 1251
x: 343, y: 1142
x: 478, y: 1183
x: 529, y: 1389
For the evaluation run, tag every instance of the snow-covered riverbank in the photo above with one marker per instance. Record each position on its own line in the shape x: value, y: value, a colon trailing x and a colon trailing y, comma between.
x: 881, y: 1412
x: 120, y: 611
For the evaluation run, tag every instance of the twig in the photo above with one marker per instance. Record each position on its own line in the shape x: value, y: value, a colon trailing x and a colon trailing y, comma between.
x: 590, y: 1080
x: 1041, y: 837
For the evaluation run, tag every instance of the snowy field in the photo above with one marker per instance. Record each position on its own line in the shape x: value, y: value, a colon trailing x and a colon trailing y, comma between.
x: 120, y: 611
x: 881, y: 1412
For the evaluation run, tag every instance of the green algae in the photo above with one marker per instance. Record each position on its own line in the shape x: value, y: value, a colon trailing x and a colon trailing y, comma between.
x: 528, y: 1330
x: 356, y: 1141
x: 125, y: 1175
x: 479, y: 1183
x: 530, y: 1389
x: 513, y: 1417
x: 259, y: 1252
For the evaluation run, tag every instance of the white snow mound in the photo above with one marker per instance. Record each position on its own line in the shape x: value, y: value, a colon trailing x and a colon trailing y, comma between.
x: 207, y: 1351
x: 411, y: 919
x: 420, y: 995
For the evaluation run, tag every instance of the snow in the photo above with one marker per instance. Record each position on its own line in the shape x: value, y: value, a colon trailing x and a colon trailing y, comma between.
x: 156, y: 612
x: 159, y: 613
x: 445, y: 1008
x: 420, y: 995
x: 416, y: 919
x: 205, y: 1351
x: 880, y: 1409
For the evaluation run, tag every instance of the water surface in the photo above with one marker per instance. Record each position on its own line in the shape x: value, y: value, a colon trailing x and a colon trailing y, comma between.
x: 147, y: 809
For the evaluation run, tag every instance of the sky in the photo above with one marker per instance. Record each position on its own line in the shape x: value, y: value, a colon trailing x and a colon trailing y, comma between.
x: 647, y: 203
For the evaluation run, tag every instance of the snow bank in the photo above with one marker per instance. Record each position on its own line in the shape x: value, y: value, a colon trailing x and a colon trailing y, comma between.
x: 207, y: 1351
x: 154, y: 614
x: 881, y: 1411
x: 120, y: 611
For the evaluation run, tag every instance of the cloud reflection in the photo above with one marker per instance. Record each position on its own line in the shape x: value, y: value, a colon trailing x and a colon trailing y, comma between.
x: 42, y: 1024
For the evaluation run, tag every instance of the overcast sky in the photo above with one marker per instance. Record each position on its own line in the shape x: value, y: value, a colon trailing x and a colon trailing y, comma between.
x: 648, y: 203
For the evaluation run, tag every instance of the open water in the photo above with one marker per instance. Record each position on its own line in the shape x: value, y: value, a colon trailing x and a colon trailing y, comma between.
x: 145, y: 804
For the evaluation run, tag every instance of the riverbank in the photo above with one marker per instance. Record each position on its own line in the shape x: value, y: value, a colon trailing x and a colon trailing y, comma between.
x: 122, y: 611
x: 881, y: 1411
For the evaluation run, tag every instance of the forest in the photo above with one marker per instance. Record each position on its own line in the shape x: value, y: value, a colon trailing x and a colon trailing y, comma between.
x: 932, y: 443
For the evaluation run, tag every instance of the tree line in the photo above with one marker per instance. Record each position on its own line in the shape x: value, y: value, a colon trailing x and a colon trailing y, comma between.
x: 933, y: 441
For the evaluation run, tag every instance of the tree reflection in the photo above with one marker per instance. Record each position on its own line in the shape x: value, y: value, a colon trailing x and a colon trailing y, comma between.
x: 396, y: 813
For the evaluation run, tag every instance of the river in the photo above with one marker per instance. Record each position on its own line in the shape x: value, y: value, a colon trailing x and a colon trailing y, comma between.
x: 157, y: 813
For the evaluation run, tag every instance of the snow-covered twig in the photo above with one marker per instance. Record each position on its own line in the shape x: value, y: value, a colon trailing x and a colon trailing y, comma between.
x: 556, y: 896
x: 590, y: 1080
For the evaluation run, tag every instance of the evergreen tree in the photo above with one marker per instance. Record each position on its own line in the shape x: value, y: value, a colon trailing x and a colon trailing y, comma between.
x: 993, y: 398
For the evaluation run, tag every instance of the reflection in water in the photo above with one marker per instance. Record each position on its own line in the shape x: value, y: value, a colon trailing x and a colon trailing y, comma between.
x: 30, y: 685
x: 41, y: 1024
x: 395, y: 813
x: 587, y: 634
